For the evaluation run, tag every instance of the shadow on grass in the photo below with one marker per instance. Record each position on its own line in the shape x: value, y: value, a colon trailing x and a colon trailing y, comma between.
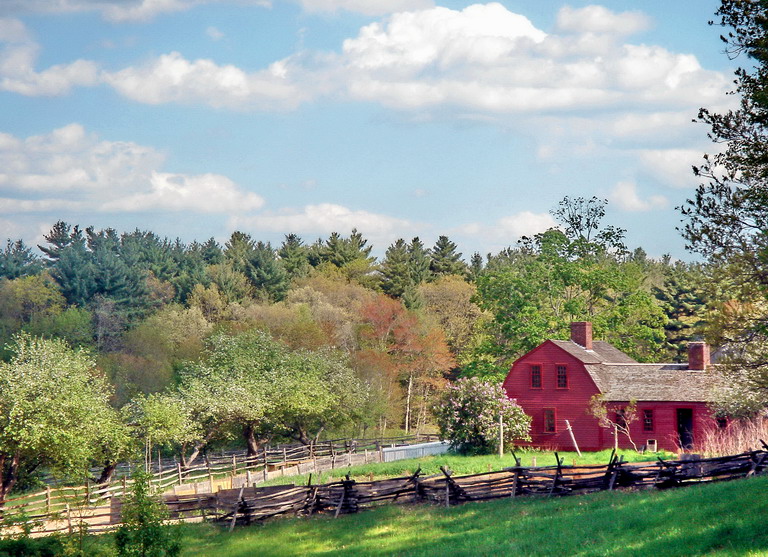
x: 719, y: 519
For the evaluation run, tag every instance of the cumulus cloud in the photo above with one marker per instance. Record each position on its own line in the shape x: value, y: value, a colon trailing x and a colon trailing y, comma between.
x: 207, y: 193
x: 488, y: 58
x: 18, y: 55
x: 625, y: 196
x: 70, y: 169
x: 325, y: 218
x: 600, y: 20
x: 365, y: 7
x: 511, y: 228
x: 172, y: 78
x: 112, y: 10
x: 672, y: 167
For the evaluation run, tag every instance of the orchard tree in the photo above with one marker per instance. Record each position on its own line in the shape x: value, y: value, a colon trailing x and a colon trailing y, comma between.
x: 471, y: 412
x: 54, y: 411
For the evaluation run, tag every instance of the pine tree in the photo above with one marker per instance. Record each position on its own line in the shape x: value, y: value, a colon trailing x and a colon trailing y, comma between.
x: 418, y: 262
x: 17, y: 260
x: 395, y: 269
x: 294, y: 256
x: 266, y: 272
x: 445, y: 260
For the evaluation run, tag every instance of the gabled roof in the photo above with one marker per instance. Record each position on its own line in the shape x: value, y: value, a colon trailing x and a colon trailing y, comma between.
x: 652, y: 382
x: 602, y: 352
x: 620, y: 378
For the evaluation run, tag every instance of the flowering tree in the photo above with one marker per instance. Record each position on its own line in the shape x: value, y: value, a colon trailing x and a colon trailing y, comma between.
x: 469, y: 414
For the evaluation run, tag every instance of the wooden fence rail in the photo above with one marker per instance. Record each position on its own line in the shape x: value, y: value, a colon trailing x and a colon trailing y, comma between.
x: 243, y: 502
x: 348, y: 496
x: 222, y: 471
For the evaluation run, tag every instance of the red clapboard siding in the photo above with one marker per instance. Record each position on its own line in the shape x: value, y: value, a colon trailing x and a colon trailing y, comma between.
x: 572, y: 404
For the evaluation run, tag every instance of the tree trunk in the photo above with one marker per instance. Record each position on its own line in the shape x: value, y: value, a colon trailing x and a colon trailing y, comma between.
x: 408, y: 404
x: 9, y: 473
x: 107, y: 473
x: 251, y: 443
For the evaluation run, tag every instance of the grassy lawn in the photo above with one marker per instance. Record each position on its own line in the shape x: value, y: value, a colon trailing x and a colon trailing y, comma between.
x: 727, y: 518
x: 461, y: 465
x: 720, y: 519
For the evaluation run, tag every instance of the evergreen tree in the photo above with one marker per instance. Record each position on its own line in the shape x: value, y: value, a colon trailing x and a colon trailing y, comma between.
x: 475, y: 266
x: 684, y: 301
x: 395, y: 269
x: 61, y: 236
x: 445, y: 260
x: 239, y: 250
x: 266, y: 272
x: 418, y: 262
x: 294, y: 256
x: 17, y: 260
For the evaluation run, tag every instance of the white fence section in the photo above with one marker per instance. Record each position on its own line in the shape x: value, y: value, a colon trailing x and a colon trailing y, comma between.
x: 414, y: 451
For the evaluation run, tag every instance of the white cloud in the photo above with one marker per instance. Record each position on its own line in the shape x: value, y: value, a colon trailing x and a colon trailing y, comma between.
x: 113, y: 10
x: 214, y: 33
x: 365, y: 7
x: 71, y: 170
x: 625, y: 196
x: 325, y: 218
x: 672, y: 167
x: 207, y: 193
x: 600, y: 20
x: 488, y: 58
x: 18, y: 55
x: 172, y: 78
x: 511, y: 228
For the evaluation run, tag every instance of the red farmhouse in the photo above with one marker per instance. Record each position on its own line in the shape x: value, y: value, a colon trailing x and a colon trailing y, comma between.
x: 555, y: 381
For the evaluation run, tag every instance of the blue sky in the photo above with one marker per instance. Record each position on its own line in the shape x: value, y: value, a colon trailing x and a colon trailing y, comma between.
x: 402, y: 118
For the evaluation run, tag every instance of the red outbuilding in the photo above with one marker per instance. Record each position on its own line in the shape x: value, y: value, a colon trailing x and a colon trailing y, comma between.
x: 555, y: 381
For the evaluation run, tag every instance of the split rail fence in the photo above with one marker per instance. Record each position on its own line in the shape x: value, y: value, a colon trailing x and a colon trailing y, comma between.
x: 242, y: 502
x: 250, y: 504
x: 59, y: 508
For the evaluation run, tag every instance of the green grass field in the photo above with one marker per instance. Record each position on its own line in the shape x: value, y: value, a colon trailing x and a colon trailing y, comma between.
x: 460, y: 465
x: 726, y: 518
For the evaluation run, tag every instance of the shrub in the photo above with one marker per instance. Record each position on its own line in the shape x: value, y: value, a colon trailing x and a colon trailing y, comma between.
x: 468, y: 416
x: 145, y: 531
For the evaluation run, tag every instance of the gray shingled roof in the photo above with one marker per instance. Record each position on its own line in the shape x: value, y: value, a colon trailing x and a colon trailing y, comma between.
x: 661, y: 382
x: 621, y: 378
x: 602, y: 352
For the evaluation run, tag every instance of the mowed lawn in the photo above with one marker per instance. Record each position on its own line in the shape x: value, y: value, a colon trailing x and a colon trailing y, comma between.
x: 728, y: 518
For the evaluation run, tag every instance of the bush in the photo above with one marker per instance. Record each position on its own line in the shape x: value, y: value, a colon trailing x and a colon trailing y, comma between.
x: 468, y: 416
x: 145, y: 531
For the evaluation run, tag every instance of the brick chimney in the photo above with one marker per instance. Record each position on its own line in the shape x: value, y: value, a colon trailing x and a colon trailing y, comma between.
x: 581, y: 334
x: 698, y: 355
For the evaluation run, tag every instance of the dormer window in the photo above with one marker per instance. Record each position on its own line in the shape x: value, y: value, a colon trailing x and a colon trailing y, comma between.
x: 535, y: 376
x: 562, y: 377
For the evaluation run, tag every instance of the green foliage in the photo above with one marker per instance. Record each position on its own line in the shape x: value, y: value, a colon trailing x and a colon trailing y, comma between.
x: 54, y: 410
x: 144, y: 531
x: 727, y: 219
x: 17, y: 260
x: 554, y: 278
x: 471, y: 412
x: 445, y: 259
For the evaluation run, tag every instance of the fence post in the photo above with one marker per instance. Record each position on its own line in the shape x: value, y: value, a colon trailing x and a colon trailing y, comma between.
x: 48, y: 499
x: 181, y: 477
x: 88, y: 493
x: 266, y: 474
x: 234, y: 465
x: 210, y: 474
